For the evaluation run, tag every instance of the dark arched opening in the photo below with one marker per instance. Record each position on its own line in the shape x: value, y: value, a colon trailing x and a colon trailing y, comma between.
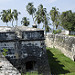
x: 74, y: 58
x: 31, y: 66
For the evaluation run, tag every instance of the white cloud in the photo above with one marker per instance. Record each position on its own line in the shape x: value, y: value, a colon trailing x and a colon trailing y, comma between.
x: 51, y: 1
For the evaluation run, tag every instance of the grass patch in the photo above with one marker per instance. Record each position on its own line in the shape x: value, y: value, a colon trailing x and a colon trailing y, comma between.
x: 60, y: 64
x: 31, y: 73
x: 72, y: 35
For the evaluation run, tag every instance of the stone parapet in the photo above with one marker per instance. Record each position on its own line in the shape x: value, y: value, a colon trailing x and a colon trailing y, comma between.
x: 64, y: 43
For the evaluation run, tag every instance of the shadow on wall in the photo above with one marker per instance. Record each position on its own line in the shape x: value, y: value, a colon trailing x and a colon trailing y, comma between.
x: 22, y: 66
x: 55, y: 67
x: 31, y: 58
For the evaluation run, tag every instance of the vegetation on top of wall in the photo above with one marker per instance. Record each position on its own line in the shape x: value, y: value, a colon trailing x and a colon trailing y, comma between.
x: 57, y: 31
x: 4, y: 51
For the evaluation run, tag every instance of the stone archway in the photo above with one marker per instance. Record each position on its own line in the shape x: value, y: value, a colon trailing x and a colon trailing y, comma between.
x: 31, y: 66
x: 31, y: 63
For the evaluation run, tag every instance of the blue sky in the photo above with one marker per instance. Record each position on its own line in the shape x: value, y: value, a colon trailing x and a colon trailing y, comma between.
x: 20, y: 5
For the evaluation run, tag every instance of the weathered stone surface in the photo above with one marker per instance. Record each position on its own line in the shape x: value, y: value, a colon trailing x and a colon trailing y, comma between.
x: 26, y: 50
x: 64, y: 43
x: 6, y: 68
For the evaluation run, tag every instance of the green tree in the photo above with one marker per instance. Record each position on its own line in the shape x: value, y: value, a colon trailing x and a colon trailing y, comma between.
x: 4, y: 16
x: 46, y: 23
x: 38, y: 18
x: 31, y: 9
x: 68, y: 20
x: 42, y: 17
x: 57, y: 31
x: 10, y: 16
x: 15, y: 14
x: 48, y: 28
x: 25, y: 21
x: 54, y: 14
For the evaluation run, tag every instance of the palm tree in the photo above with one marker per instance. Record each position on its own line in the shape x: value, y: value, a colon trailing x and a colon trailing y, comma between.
x: 46, y: 23
x: 15, y: 14
x: 10, y: 16
x: 54, y: 16
x: 4, y: 16
x: 54, y: 13
x: 42, y: 12
x: 31, y: 10
x: 42, y: 17
x: 25, y: 21
x: 37, y: 17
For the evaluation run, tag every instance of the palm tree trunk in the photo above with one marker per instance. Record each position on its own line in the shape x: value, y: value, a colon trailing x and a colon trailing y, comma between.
x: 33, y: 18
x: 53, y: 34
x: 12, y: 23
x: 45, y: 31
x: 53, y: 28
x: 16, y: 22
x: 6, y: 23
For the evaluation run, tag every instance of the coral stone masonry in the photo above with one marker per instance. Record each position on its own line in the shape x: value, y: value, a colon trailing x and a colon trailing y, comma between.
x: 26, y: 49
x: 63, y: 42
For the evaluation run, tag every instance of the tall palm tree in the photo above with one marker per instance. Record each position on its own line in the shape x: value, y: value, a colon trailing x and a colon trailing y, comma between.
x: 25, y: 21
x: 38, y: 18
x: 54, y: 16
x: 15, y: 14
x: 54, y: 13
x: 4, y: 16
x: 42, y: 17
x: 46, y: 23
x: 31, y: 9
x: 42, y: 12
x: 10, y: 16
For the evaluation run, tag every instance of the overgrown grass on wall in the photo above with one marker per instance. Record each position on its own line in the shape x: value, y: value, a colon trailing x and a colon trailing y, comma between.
x: 60, y: 64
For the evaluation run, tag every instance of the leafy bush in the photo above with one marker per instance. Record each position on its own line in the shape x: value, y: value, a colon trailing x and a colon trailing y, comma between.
x: 57, y: 31
x: 4, y: 51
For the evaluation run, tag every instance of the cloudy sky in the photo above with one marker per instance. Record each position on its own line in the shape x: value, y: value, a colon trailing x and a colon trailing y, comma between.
x: 20, y: 5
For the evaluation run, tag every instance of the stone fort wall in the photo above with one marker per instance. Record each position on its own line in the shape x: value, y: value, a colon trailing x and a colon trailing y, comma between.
x: 26, y: 49
x: 63, y: 42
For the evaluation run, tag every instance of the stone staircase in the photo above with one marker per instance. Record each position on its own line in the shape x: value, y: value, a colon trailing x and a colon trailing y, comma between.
x: 6, y: 68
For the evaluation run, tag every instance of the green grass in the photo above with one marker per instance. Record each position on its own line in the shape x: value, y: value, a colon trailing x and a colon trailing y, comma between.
x: 60, y: 64
x: 32, y: 73
x: 72, y: 35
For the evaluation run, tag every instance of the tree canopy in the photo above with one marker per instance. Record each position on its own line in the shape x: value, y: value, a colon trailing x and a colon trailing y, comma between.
x: 4, y: 16
x: 15, y: 14
x: 8, y: 15
x: 40, y: 15
x: 25, y: 21
x: 54, y: 14
x: 68, y: 20
x: 31, y: 9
